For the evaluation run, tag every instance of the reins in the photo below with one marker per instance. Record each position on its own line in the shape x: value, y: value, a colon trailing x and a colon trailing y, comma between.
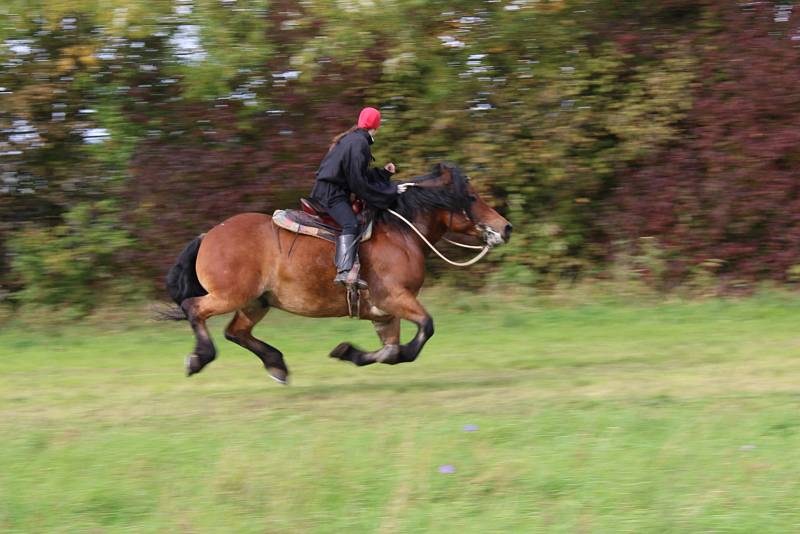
x: 464, y: 245
x: 484, y: 249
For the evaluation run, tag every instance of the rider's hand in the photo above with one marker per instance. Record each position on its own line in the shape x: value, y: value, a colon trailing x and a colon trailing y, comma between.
x: 390, y: 167
x: 401, y: 188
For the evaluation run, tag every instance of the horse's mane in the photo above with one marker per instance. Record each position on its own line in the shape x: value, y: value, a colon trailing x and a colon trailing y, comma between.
x: 416, y: 200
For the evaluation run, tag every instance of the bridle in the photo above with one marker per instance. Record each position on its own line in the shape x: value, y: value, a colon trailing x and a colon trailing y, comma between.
x: 483, y: 249
x: 450, y: 224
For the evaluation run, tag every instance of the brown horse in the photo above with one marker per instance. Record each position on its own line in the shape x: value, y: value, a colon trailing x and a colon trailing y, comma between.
x: 247, y: 265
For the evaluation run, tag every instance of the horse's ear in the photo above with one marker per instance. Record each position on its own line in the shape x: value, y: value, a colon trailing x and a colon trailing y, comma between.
x: 446, y: 174
x: 441, y: 176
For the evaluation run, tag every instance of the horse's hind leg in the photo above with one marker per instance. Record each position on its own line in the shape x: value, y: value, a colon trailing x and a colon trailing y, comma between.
x: 198, y: 310
x: 389, y: 333
x: 240, y: 331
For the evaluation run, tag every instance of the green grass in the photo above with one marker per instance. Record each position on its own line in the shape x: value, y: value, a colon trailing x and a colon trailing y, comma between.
x: 675, y: 417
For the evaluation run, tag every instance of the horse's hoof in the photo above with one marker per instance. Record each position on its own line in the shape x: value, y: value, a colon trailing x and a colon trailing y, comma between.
x: 279, y: 375
x: 341, y: 351
x: 192, y: 365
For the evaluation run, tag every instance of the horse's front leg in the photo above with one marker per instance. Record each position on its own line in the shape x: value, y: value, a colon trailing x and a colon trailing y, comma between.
x: 405, y: 306
x: 388, y: 331
x: 389, y: 334
x: 409, y: 308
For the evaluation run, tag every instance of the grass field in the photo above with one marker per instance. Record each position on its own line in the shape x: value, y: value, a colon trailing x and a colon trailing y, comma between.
x: 675, y: 417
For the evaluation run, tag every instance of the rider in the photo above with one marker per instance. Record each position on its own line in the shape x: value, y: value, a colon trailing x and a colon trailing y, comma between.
x: 345, y: 169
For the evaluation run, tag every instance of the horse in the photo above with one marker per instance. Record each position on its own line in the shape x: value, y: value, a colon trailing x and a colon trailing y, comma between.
x: 246, y: 265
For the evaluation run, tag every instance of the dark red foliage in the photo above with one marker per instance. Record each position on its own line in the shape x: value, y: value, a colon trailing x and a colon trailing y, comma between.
x: 180, y: 188
x: 730, y: 189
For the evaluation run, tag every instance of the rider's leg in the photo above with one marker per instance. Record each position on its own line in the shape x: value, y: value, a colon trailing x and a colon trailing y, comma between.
x: 343, y: 214
x: 347, y: 242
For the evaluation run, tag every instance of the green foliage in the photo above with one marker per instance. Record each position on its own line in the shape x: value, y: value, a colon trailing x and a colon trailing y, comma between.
x: 539, y: 117
x: 72, y: 263
x: 233, y: 43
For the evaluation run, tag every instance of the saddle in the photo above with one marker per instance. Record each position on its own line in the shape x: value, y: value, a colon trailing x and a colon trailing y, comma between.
x: 312, y: 219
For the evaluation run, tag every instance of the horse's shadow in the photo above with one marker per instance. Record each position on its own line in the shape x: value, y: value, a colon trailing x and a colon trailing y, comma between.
x: 407, y: 386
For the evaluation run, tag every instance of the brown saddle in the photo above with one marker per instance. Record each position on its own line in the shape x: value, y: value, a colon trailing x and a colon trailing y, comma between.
x: 312, y: 219
x: 312, y: 207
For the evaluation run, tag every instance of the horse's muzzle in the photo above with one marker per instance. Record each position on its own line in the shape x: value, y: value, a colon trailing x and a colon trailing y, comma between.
x: 507, y: 232
x: 490, y: 236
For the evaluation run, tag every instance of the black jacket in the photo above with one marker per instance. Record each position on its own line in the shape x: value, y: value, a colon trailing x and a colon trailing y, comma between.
x: 345, y: 170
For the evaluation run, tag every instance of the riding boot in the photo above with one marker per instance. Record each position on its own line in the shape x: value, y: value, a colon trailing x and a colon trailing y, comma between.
x: 346, y: 254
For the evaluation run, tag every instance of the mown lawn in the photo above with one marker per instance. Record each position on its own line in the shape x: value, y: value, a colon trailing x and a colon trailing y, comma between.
x: 675, y: 417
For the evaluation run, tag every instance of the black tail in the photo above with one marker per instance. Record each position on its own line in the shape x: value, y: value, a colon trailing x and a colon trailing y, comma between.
x: 182, y: 282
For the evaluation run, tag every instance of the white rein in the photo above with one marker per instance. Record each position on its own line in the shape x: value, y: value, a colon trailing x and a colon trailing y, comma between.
x: 483, y: 250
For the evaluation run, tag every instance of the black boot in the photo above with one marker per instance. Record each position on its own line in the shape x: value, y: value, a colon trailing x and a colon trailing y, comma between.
x: 346, y: 254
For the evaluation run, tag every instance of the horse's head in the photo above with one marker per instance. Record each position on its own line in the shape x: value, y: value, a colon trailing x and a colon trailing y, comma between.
x: 469, y: 214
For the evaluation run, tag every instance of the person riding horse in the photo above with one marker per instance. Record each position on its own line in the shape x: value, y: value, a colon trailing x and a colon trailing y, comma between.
x: 345, y: 169
x: 240, y: 266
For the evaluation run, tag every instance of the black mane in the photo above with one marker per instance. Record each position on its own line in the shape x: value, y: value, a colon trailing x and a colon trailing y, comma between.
x: 416, y: 200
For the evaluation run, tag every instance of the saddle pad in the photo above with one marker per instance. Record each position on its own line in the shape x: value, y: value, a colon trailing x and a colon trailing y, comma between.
x: 301, y: 222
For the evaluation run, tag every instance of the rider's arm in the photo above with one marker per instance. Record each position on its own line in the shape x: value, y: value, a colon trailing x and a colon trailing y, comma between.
x: 377, y: 192
x: 378, y: 174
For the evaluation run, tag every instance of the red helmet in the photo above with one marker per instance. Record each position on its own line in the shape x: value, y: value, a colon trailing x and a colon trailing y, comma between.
x: 369, y: 118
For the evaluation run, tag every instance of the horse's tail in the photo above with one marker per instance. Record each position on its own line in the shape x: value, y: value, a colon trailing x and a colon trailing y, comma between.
x: 182, y: 282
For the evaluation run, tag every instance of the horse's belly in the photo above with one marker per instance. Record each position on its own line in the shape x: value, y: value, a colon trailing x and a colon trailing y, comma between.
x: 304, y: 285
x: 308, y: 303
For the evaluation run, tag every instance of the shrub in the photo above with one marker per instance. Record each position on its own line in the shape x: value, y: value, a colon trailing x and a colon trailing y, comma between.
x: 72, y: 263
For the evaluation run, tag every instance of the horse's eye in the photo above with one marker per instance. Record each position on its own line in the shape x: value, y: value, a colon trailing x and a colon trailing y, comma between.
x: 472, y: 198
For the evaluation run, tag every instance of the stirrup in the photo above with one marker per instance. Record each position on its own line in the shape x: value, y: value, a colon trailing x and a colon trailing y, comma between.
x: 350, y: 279
x: 358, y: 284
x: 354, y: 277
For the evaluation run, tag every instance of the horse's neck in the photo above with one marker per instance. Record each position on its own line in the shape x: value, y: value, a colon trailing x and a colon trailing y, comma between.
x: 428, y: 224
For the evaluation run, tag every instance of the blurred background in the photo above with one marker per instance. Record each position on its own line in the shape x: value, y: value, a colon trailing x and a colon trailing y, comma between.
x: 654, y: 140
x: 629, y: 362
